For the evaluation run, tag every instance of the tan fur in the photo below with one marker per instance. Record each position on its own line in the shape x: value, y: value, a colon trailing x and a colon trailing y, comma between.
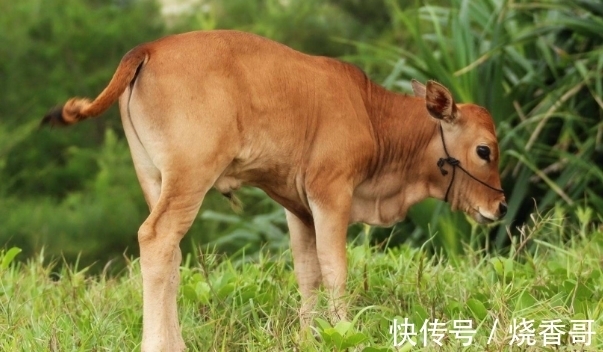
x: 224, y: 109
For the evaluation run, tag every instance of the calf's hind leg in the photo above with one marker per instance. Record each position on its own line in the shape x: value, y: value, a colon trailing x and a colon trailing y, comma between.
x: 182, y: 192
x: 159, y: 238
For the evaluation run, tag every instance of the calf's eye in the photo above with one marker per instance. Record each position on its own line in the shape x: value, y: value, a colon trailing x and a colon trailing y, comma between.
x: 483, y: 152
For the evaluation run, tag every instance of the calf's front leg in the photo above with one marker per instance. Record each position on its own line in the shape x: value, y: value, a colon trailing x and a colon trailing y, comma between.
x: 305, y: 265
x: 331, y: 217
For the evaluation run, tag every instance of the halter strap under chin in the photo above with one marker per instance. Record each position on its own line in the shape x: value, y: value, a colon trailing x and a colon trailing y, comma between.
x: 456, y: 163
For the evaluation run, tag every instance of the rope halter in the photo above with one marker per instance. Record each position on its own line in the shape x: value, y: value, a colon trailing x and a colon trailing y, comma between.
x: 455, y: 163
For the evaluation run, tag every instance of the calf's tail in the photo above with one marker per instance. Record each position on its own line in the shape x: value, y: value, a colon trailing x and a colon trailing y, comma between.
x: 79, y: 109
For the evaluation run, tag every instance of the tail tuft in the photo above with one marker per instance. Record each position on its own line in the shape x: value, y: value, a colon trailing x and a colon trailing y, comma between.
x: 72, y: 112
x: 54, y: 117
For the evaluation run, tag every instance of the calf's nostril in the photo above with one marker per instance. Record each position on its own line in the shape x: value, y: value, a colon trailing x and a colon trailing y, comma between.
x: 502, y: 208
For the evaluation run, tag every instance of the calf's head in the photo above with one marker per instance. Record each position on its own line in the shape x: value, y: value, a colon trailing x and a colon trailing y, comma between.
x: 466, y: 159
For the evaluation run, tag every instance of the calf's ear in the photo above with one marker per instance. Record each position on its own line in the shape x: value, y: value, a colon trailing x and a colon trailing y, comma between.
x: 418, y: 88
x: 440, y: 103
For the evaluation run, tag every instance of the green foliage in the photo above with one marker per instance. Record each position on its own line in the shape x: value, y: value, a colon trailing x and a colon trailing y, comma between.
x: 91, y: 222
x: 260, y: 229
x: 50, y: 51
x: 309, y: 25
x: 340, y: 337
x: 252, y: 305
x: 8, y: 257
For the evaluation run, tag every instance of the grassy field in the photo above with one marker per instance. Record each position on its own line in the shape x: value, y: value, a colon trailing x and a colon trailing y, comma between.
x: 554, y: 271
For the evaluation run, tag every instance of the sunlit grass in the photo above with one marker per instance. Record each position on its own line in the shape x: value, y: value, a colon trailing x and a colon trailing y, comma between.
x: 243, y: 305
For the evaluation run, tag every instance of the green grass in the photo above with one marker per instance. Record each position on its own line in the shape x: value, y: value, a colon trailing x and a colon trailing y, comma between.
x: 553, y: 271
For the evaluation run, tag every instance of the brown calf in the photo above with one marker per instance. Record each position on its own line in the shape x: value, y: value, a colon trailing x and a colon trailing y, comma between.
x: 224, y: 109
